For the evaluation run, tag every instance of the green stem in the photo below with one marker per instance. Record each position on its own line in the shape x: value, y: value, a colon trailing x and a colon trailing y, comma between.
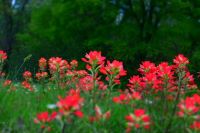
x: 180, y: 76
x: 64, y: 127
x: 165, y: 105
x: 15, y: 77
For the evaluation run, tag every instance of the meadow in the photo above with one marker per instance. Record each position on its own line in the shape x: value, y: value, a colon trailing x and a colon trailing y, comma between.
x: 59, y: 98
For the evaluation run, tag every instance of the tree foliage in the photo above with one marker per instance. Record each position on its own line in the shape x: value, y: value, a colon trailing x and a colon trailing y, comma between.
x: 129, y: 30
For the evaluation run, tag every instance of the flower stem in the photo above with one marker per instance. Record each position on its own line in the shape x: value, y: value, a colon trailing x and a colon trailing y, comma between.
x: 180, y: 76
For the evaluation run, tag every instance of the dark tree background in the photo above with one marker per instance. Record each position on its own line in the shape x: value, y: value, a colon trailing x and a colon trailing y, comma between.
x: 127, y: 30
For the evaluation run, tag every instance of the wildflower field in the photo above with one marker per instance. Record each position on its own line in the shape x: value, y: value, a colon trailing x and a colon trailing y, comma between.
x: 59, y: 98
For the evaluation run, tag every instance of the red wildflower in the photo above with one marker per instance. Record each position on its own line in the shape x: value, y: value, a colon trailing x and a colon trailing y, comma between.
x: 70, y: 103
x: 138, y: 120
x: 27, y: 75
x: 94, y: 58
x: 189, y: 79
x: 57, y: 64
x: 127, y: 97
x: 197, y: 99
x: 151, y: 81
x: 147, y: 67
x: 139, y: 112
x: 134, y: 95
x: 81, y: 73
x: 113, y: 70
x: 74, y: 64
x: 44, y: 117
x: 27, y: 85
x: 165, y: 71
x: 72, y: 92
x: 135, y: 83
x: 7, y: 83
x: 41, y: 75
x: 78, y: 113
x: 101, y: 85
x: 195, y: 125
x: 3, y: 56
x: 86, y: 83
x: 42, y: 64
x: 181, y: 61
x: 189, y: 106
x: 53, y: 115
x: 120, y: 99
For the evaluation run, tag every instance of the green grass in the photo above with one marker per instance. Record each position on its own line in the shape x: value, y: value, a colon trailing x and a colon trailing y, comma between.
x: 19, y: 108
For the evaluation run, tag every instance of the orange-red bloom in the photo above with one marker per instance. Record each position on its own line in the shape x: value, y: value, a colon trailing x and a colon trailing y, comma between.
x: 189, y: 106
x: 113, y: 70
x: 44, y: 117
x: 138, y: 119
x: 7, y: 82
x: 147, y: 67
x: 74, y: 64
x: 70, y: 103
x: 125, y: 98
x: 195, y: 125
x: 41, y: 75
x: 57, y: 64
x: 135, y: 83
x: 79, y: 114
x: 94, y: 58
x: 42, y: 64
x: 27, y: 85
x: 3, y: 56
x: 181, y: 61
x: 27, y: 75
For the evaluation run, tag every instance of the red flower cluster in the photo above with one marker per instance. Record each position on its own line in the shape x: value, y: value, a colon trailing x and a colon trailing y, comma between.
x: 27, y: 75
x: 27, y: 85
x: 41, y: 75
x: 57, y: 64
x: 165, y: 72
x: 81, y: 73
x: 70, y: 104
x: 196, y: 125
x: 44, y: 117
x: 113, y: 71
x: 138, y: 119
x: 189, y: 106
x: 79, y: 78
x: 153, y: 79
x: 147, y: 67
x: 3, y: 56
x: 42, y: 64
x: 161, y: 77
x: 74, y: 64
x: 181, y: 61
x: 94, y: 59
x: 87, y: 84
x: 135, y: 83
x: 126, y: 98
x: 28, y: 78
